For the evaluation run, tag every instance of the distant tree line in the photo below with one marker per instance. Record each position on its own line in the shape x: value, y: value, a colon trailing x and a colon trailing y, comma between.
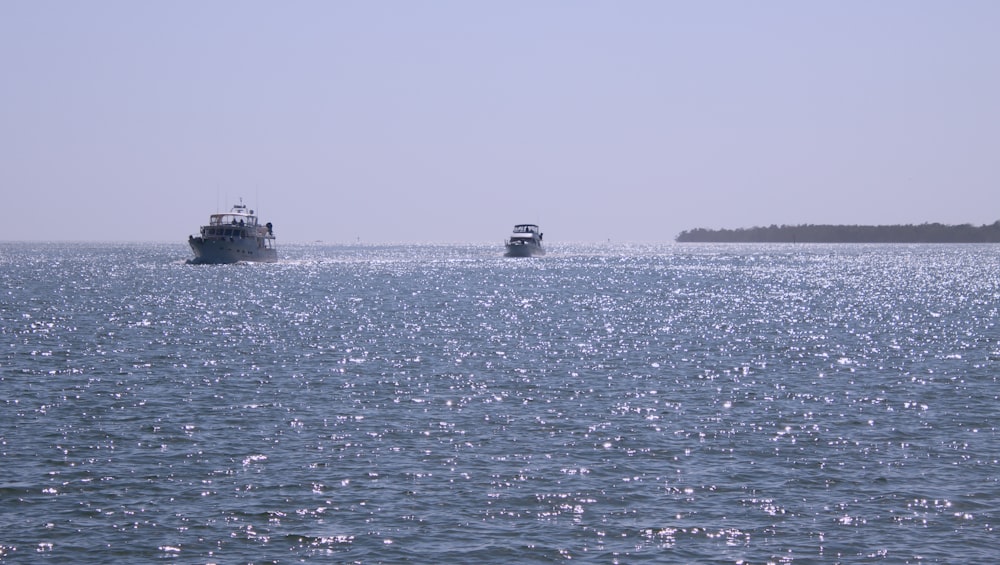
x: 809, y: 233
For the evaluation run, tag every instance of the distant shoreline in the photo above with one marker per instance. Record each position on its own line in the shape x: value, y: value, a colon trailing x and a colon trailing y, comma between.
x: 809, y: 233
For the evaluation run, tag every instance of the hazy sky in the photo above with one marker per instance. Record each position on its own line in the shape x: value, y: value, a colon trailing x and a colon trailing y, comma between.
x: 449, y: 121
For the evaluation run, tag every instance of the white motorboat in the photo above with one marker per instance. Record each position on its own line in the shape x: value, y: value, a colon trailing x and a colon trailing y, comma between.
x: 526, y: 241
x: 233, y: 237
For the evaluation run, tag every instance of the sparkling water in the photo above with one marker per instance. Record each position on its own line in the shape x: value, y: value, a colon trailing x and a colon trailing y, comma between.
x: 443, y: 404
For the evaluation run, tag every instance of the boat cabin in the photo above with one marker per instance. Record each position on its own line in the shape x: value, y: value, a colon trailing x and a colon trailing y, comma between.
x: 525, y: 233
x: 238, y: 222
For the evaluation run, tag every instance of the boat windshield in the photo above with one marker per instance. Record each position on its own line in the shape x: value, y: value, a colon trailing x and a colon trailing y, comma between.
x: 232, y: 219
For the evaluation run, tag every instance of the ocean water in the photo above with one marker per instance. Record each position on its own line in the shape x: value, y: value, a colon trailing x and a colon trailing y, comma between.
x: 442, y: 404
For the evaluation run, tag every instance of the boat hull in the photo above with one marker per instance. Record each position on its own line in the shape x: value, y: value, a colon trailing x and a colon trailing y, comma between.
x: 524, y: 250
x: 231, y: 250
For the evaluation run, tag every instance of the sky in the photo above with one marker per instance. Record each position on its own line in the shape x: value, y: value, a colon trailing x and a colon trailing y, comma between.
x: 420, y: 121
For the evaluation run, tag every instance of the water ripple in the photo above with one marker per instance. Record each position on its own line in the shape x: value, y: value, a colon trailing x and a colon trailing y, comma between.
x: 439, y: 403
